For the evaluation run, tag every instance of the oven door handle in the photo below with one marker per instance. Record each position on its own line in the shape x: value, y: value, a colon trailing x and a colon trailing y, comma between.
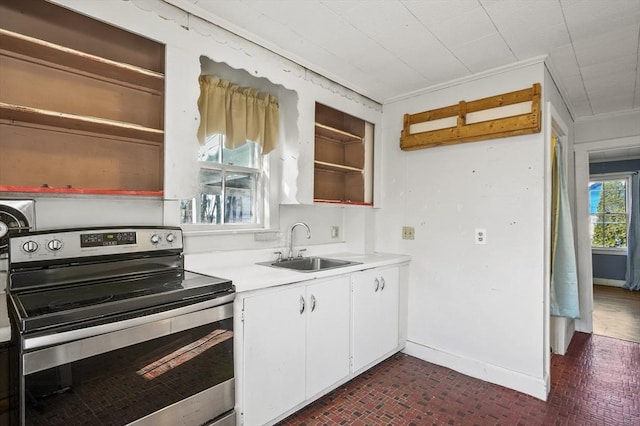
x: 76, y: 344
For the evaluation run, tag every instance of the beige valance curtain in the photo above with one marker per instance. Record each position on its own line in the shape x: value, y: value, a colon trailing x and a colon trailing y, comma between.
x: 240, y: 113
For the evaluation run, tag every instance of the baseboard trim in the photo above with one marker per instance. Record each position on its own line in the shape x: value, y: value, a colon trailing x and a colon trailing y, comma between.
x: 533, y: 386
x: 608, y: 282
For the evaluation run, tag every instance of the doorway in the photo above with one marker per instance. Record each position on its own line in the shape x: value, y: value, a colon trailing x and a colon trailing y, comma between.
x: 616, y: 310
x: 583, y: 154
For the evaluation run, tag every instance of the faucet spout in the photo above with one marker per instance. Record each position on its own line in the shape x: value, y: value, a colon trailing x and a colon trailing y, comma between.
x: 295, y: 225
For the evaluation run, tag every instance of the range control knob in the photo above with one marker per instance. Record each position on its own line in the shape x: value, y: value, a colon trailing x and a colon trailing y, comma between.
x: 54, y: 245
x: 30, y: 246
x: 170, y: 238
x: 155, y: 239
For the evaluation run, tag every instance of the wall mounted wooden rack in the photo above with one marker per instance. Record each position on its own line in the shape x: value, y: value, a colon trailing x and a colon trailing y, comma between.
x: 494, y: 117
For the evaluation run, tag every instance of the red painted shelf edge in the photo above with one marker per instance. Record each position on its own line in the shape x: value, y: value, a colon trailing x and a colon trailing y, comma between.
x: 89, y: 191
x: 353, y: 203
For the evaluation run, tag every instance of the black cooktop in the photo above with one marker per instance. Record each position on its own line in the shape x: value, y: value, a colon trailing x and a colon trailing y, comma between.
x: 107, y: 300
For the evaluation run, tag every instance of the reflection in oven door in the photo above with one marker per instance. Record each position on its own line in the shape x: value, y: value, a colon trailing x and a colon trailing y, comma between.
x: 184, y: 377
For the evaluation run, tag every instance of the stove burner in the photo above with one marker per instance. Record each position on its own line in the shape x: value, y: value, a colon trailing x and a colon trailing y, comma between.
x: 63, y: 306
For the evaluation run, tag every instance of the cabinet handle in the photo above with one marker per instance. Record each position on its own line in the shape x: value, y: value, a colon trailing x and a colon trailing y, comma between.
x: 377, y: 285
x: 313, y: 303
x: 382, y: 280
x: 301, y: 305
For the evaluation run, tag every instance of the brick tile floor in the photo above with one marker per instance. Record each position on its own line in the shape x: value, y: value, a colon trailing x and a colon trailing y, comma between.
x: 596, y: 383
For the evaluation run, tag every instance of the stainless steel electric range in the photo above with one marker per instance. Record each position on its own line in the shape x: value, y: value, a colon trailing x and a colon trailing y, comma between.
x: 111, y: 330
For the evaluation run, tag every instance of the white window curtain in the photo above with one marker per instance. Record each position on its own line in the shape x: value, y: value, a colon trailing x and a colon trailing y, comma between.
x: 240, y: 113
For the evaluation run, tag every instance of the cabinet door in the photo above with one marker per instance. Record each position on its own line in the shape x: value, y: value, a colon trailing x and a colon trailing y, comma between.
x: 327, y: 333
x: 389, y: 304
x: 274, y: 354
x: 366, y: 318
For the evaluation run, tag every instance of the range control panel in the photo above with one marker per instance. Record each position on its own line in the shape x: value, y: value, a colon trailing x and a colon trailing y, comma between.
x: 67, y: 244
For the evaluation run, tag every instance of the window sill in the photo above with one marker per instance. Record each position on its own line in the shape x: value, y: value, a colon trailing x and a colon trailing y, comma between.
x: 207, y: 230
x: 609, y: 251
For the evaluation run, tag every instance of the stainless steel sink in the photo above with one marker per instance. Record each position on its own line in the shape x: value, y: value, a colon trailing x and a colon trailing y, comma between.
x: 309, y: 264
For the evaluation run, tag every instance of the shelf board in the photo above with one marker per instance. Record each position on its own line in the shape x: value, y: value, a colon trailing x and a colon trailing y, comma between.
x: 337, y: 167
x: 78, y: 191
x: 353, y: 203
x: 31, y: 47
x: 79, y: 123
x: 337, y: 135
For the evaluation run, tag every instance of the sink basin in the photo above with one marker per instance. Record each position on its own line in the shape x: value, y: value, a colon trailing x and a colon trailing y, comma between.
x: 310, y: 264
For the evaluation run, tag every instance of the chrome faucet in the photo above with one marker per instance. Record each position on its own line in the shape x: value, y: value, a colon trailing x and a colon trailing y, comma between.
x: 291, y: 236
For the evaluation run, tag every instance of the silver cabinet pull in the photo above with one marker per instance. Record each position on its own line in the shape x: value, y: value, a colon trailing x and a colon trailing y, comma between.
x: 313, y: 303
x: 382, y: 280
x: 301, y: 305
x: 377, y: 285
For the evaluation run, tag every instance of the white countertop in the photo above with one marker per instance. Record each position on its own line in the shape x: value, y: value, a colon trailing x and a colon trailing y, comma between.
x: 250, y: 276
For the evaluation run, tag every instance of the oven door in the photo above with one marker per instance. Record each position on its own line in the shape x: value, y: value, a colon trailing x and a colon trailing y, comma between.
x: 176, y: 371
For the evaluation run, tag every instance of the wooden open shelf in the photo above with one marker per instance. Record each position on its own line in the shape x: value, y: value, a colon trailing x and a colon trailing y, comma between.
x: 78, y: 191
x: 81, y: 104
x: 14, y: 44
x: 341, y: 171
x: 340, y: 168
x: 79, y: 123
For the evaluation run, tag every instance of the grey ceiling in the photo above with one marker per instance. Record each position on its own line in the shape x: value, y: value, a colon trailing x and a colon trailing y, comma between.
x: 387, y: 48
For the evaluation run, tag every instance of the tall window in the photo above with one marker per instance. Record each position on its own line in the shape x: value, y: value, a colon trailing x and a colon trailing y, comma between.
x: 609, y: 210
x: 230, y: 182
x: 238, y: 127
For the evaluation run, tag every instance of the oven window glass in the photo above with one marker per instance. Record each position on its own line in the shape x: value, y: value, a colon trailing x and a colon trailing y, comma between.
x: 126, y: 384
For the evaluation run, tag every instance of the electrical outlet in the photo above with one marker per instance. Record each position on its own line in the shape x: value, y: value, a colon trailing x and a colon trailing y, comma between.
x: 408, y: 233
x: 335, y: 232
x: 481, y: 236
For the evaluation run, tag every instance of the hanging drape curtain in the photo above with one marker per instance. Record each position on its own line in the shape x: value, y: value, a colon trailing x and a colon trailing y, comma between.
x: 564, y: 271
x: 240, y: 113
x: 632, y: 281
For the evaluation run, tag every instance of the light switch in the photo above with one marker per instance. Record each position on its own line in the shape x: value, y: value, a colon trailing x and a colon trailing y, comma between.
x: 408, y: 233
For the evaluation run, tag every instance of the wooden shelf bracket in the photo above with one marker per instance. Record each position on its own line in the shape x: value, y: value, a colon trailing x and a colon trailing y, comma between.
x: 509, y: 114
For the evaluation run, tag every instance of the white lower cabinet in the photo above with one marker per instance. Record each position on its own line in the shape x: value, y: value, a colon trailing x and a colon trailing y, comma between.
x: 375, y: 313
x: 295, y: 345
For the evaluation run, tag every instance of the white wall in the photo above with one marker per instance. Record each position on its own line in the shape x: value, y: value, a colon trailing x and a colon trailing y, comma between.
x: 608, y: 126
x: 476, y: 308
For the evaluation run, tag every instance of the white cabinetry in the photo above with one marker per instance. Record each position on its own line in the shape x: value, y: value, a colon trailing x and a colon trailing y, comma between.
x: 295, y: 345
x: 375, y: 315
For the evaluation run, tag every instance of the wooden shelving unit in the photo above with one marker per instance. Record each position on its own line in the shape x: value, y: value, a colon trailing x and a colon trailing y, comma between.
x: 342, y: 173
x: 81, y: 104
x: 502, y: 114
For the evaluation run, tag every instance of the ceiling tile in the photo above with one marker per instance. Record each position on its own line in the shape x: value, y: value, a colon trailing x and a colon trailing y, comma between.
x: 485, y: 53
x: 590, y: 18
x: 434, y: 12
x: 608, y: 45
x: 464, y: 27
x: 526, y: 17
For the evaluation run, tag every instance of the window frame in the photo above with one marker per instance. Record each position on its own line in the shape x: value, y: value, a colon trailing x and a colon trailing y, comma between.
x: 260, y: 200
x: 608, y: 177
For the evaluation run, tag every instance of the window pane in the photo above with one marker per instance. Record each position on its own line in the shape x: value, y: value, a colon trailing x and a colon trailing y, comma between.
x: 608, y: 209
x: 208, y: 207
x: 210, y: 151
x: 597, y: 233
x: 595, y: 193
x: 245, y: 155
x: 614, y: 196
x: 239, y: 198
